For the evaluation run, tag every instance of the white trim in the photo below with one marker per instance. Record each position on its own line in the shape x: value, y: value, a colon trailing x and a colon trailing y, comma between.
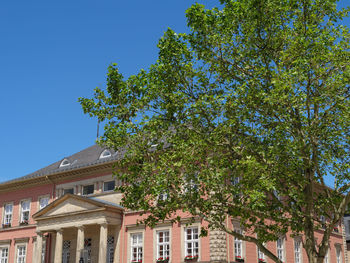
x: 281, y: 250
x: 183, y: 228
x: 298, y: 250
x: 238, y: 245
x: 192, y: 244
x: 338, y: 253
x: 138, y: 245
x: 105, y: 154
x: 2, y: 259
x: 165, y: 243
x: 21, y: 220
x: 4, y: 213
x: 65, y: 162
x: 157, y: 228
x: 42, y: 197
x: 17, y: 252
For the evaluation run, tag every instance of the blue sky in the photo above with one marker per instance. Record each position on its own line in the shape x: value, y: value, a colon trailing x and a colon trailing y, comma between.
x: 53, y: 52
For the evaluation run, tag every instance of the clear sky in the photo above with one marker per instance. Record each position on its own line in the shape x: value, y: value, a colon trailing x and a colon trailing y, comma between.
x: 53, y: 52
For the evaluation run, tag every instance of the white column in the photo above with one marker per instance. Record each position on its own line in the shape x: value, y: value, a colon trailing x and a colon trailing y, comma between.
x: 102, y: 251
x: 117, y: 233
x: 59, y: 244
x: 39, y: 246
x: 80, y: 244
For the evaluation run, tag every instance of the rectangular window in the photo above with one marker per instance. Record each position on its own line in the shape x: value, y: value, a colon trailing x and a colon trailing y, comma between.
x: 7, y: 215
x: 25, y: 207
x: 191, y: 183
x: 163, y: 196
x: 68, y: 191
x: 191, y: 242
x: 338, y: 254
x: 65, y: 251
x: 297, y: 251
x: 88, y: 189
x: 108, y: 186
x: 235, y: 180
x: 238, y: 245
x: 326, y: 258
x: 261, y: 255
x: 43, y: 201
x: 4, y: 255
x: 21, y: 254
x: 110, y: 249
x: 163, y: 244
x: 280, y: 248
x: 136, y: 247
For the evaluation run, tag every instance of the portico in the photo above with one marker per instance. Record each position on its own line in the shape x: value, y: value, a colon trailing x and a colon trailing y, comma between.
x: 80, y: 227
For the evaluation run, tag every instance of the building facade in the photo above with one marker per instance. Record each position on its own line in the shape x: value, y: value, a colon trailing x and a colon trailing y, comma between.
x: 69, y: 212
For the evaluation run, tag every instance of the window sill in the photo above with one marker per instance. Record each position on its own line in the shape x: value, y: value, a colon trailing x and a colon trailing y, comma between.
x: 17, y: 227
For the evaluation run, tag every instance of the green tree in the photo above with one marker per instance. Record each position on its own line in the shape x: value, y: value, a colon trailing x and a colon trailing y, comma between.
x: 243, y: 117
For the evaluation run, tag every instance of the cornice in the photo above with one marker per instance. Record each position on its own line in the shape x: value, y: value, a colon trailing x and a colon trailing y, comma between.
x: 56, y: 177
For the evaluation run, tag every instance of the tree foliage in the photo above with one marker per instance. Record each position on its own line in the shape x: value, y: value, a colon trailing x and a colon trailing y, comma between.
x: 244, y: 116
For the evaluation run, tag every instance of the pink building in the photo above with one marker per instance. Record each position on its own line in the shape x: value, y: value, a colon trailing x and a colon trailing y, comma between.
x: 68, y: 212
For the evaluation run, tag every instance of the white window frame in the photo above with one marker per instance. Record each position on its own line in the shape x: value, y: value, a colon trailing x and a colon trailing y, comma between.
x: 6, y: 213
x: 261, y: 254
x: 4, y: 258
x: 105, y: 154
x: 326, y: 257
x: 43, y: 198
x: 64, y: 163
x: 298, y: 250
x: 164, y: 244
x: 21, y: 258
x: 280, y: 248
x: 24, y: 211
x: 193, y: 241
x: 238, y: 244
x: 338, y: 254
x: 138, y: 246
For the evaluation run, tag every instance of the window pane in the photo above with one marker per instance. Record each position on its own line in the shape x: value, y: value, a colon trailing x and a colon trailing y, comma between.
x: 109, y: 186
x: 68, y: 191
x: 88, y: 189
x: 43, y: 202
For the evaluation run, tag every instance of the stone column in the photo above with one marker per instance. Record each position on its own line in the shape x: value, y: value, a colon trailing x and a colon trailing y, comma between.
x: 52, y: 247
x: 59, y: 245
x: 117, y: 241
x: 102, y: 251
x: 218, y: 246
x: 80, y: 243
x: 39, y: 246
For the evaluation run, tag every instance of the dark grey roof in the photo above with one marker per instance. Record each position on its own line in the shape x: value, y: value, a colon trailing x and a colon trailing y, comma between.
x: 87, y: 157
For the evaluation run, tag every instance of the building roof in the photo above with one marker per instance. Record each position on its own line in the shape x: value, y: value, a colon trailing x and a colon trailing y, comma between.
x: 87, y: 157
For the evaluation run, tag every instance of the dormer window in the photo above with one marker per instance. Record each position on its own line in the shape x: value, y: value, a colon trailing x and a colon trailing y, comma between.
x: 105, y: 154
x: 64, y: 163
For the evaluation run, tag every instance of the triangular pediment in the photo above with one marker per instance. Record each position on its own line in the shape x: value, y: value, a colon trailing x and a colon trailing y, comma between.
x: 68, y: 204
